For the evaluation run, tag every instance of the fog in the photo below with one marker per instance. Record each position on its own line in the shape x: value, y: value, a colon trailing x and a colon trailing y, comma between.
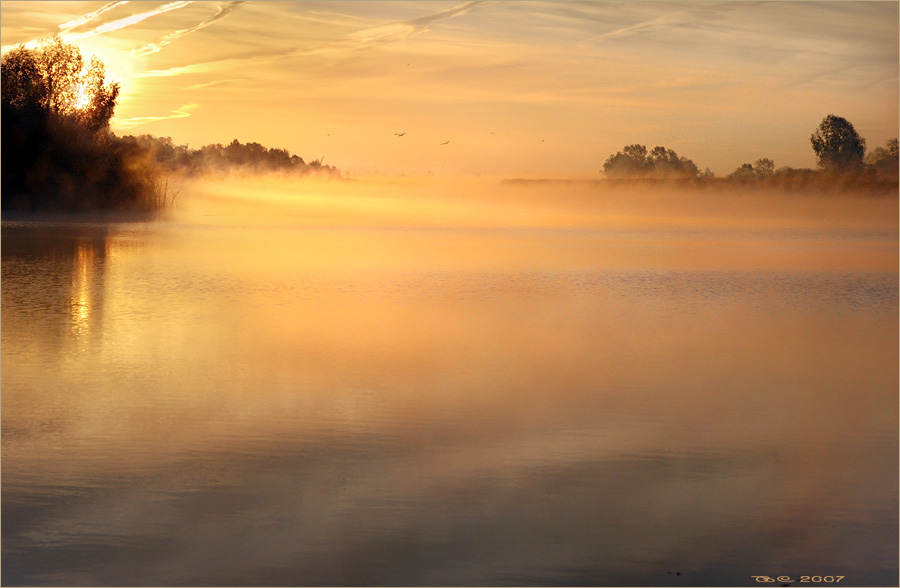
x: 489, y: 223
x: 430, y: 202
x: 431, y: 381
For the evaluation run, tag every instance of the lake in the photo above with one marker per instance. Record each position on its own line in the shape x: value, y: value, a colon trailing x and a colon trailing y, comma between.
x: 264, y: 400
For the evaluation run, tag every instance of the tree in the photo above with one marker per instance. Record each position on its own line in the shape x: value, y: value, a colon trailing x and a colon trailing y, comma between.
x: 744, y: 172
x: 765, y: 167
x: 667, y: 163
x: 838, y: 146
x: 631, y: 161
x: 884, y: 160
x: 635, y: 161
x: 52, y: 83
x: 58, y: 153
x: 889, y: 151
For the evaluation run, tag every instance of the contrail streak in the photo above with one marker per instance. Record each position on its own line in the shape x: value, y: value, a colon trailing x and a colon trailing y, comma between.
x: 366, y: 39
x: 77, y: 22
x: 127, y: 21
x: 224, y: 11
x: 181, y: 112
x: 660, y: 23
x: 404, y: 30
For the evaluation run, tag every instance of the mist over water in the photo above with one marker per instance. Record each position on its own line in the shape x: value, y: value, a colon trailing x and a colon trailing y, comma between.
x: 425, y: 381
x: 464, y: 202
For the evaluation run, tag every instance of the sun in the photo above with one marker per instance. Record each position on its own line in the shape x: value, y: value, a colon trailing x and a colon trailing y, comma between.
x: 83, y: 97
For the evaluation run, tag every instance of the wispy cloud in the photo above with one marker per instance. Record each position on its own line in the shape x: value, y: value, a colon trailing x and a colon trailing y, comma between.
x: 77, y: 22
x: 657, y: 24
x: 360, y: 40
x: 181, y: 112
x: 125, y: 22
x: 224, y: 10
x: 213, y: 83
x: 209, y: 66
x: 401, y: 31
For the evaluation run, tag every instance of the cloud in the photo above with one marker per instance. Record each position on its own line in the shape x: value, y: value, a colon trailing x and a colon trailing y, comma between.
x: 208, y: 66
x: 365, y: 39
x: 77, y: 22
x: 660, y: 23
x: 213, y: 83
x: 224, y: 10
x: 181, y: 112
x: 401, y: 31
x: 125, y: 22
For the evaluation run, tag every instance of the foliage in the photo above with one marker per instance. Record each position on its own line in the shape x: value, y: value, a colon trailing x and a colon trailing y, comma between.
x: 884, y: 160
x: 236, y: 156
x: 631, y: 161
x: 53, y: 82
x: 58, y: 153
x: 635, y: 161
x: 838, y: 146
x: 745, y: 171
x: 764, y: 168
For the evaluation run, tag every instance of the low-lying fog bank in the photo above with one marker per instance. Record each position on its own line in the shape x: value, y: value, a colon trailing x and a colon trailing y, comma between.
x: 494, y: 202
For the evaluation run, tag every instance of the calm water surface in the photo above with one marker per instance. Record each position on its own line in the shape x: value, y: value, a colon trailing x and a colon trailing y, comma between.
x: 202, y: 404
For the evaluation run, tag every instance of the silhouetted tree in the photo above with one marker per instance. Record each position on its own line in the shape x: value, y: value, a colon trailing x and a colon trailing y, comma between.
x: 884, y: 160
x: 744, y: 172
x: 838, y: 146
x: 667, y: 163
x: 57, y: 149
x: 635, y: 161
x: 765, y: 167
x: 52, y: 81
x: 879, y: 154
x: 632, y: 161
x: 234, y: 157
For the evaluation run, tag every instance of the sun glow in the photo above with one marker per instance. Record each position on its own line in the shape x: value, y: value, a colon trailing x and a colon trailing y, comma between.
x: 464, y: 72
x: 83, y: 98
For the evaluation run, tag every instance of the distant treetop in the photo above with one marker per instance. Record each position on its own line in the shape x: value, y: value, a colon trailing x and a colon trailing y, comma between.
x: 235, y: 156
x: 838, y: 146
x: 634, y: 161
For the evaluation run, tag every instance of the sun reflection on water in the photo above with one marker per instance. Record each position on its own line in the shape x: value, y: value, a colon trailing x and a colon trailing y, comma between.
x: 82, y: 281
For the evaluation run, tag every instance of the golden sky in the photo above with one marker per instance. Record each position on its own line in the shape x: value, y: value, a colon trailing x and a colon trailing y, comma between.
x: 517, y: 88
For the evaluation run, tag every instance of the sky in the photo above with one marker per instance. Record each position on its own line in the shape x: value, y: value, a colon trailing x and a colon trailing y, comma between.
x: 509, y: 88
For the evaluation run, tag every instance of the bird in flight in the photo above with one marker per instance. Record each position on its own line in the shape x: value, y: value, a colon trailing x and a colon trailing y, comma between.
x: 445, y: 142
x: 400, y: 134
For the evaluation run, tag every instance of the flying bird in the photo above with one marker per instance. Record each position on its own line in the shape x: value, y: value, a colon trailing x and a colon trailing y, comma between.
x: 400, y: 134
x: 445, y: 142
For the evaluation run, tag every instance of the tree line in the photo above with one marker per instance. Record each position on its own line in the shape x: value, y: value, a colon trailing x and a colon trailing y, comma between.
x: 839, y: 150
x: 236, y: 156
x: 59, y: 152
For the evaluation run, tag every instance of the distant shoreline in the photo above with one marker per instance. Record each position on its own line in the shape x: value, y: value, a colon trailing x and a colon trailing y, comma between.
x: 811, y: 184
x: 90, y: 216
